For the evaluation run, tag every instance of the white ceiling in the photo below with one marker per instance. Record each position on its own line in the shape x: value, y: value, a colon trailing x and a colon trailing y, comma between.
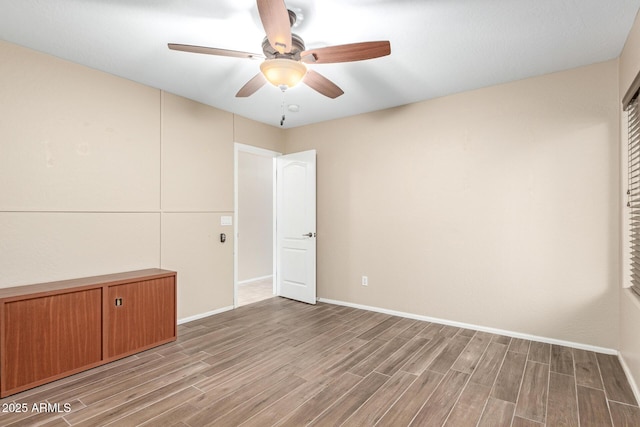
x: 438, y: 47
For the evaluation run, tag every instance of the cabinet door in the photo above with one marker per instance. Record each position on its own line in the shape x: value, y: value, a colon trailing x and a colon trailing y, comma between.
x: 141, y: 315
x: 49, y: 336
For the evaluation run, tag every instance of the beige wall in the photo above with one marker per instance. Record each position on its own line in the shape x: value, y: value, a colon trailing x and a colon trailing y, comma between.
x: 257, y: 134
x: 197, y: 189
x: 78, y: 194
x: 629, y: 302
x: 99, y: 174
x: 496, y: 207
x: 255, y: 216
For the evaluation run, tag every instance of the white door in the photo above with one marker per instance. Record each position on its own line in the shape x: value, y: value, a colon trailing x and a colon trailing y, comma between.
x: 296, y: 226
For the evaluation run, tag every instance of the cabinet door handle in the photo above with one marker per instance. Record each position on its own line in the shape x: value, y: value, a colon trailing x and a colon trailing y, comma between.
x: 118, y: 302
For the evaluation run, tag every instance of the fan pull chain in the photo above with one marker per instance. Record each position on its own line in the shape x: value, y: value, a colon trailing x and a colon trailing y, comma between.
x: 282, y: 109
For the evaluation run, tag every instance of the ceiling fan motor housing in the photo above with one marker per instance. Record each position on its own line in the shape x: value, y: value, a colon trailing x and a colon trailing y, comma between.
x: 297, y: 44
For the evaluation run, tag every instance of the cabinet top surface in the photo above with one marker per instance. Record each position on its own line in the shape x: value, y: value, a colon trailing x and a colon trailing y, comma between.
x: 85, y: 282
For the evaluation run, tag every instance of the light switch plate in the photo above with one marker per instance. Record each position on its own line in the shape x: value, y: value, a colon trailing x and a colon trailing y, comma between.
x: 226, y: 220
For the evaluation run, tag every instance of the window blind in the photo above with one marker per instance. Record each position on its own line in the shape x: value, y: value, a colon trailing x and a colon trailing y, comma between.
x: 633, y: 191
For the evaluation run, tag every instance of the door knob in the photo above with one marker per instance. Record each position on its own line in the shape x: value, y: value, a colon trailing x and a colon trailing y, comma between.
x: 309, y: 235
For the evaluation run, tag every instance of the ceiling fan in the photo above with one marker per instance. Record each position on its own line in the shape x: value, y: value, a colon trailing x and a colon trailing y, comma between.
x: 285, y: 55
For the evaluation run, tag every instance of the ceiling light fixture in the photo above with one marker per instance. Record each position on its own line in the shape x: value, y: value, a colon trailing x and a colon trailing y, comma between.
x: 283, y: 73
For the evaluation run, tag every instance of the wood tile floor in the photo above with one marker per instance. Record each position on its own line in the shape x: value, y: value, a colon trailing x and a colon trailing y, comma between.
x: 278, y: 362
x: 248, y: 293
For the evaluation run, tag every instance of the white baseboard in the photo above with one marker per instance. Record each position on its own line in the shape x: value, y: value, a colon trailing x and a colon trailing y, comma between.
x: 475, y: 327
x: 203, y: 315
x: 255, y: 279
x: 627, y: 372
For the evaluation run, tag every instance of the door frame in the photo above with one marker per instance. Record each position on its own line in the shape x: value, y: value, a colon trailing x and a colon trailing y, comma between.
x: 239, y: 147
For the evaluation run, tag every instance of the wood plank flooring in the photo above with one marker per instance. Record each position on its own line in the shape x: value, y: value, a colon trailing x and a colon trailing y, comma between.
x: 251, y: 292
x: 283, y: 363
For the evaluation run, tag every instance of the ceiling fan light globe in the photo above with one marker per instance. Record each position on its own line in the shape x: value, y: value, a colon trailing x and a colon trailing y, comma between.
x: 283, y: 72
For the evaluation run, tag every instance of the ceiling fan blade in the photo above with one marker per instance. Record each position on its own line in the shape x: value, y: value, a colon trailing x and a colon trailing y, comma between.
x: 321, y: 84
x: 251, y: 86
x: 348, y: 52
x: 213, y: 51
x: 275, y: 20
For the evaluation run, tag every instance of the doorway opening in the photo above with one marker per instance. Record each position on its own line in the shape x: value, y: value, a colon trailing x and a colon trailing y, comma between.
x: 254, y: 224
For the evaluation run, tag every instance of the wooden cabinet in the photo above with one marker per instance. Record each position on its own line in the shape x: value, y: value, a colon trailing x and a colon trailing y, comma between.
x: 45, y: 337
x: 52, y: 330
x: 138, y: 320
